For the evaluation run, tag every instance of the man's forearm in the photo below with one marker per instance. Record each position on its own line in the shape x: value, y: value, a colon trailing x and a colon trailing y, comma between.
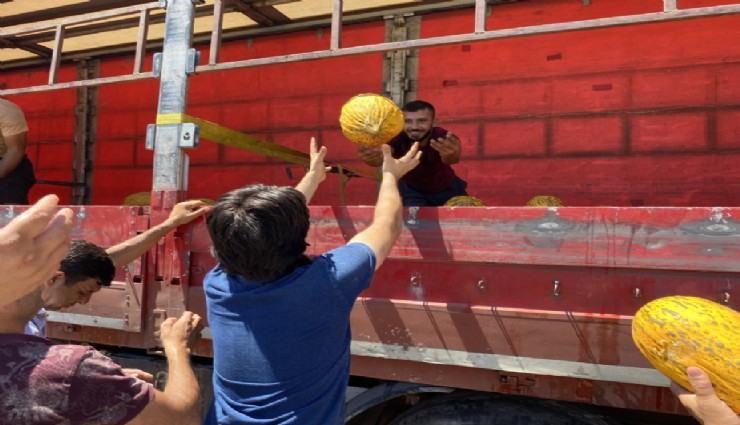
x: 182, y: 391
x: 308, y: 185
x: 128, y: 251
x: 389, y: 205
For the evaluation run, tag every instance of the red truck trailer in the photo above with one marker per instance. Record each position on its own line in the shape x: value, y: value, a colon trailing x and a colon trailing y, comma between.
x: 628, y: 111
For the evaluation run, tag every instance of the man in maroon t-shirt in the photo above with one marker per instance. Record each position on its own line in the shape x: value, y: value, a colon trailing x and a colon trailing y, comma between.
x: 433, y: 181
x: 47, y: 384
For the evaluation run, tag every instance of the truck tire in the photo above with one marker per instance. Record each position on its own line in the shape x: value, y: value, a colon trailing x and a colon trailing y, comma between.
x: 495, y: 409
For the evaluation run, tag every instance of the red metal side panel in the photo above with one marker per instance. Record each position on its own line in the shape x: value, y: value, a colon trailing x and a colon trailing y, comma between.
x: 468, y: 297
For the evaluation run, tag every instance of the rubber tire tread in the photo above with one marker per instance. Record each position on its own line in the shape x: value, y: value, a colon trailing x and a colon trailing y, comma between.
x: 494, y: 409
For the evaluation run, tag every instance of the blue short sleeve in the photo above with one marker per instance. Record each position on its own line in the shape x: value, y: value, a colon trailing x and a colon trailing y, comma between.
x: 352, y: 267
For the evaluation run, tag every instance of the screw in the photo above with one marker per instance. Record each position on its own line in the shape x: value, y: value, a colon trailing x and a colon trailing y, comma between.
x: 555, y: 288
x: 482, y: 284
x: 636, y: 292
x: 415, y: 279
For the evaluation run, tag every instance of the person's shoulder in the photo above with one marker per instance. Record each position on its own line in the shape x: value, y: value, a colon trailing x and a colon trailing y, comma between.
x: 70, y: 352
x: 7, y: 106
x: 216, y: 272
x: 353, y: 251
x: 60, y: 360
x: 25, y: 345
x: 216, y: 282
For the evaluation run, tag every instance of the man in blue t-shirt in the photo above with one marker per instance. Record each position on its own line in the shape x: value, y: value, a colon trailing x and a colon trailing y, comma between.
x: 434, y: 181
x: 279, y: 320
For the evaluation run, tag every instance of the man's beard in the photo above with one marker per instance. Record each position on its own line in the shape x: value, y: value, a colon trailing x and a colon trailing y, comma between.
x: 419, y: 138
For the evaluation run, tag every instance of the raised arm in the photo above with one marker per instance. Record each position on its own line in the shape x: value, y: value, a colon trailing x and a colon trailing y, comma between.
x: 31, y: 248
x: 179, y: 403
x: 316, y: 172
x: 386, y: 226
x: 130, y: 250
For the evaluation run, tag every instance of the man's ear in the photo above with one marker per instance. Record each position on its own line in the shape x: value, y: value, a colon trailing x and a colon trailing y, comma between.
x: 57, y: 279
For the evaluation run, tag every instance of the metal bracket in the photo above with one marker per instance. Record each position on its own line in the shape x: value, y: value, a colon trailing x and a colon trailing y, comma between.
x: 151, y: 133
x: 411, y: 222
x: 188, y: 135
x: 193, y: 61
x: 157, y: 65
x: 556, y: 288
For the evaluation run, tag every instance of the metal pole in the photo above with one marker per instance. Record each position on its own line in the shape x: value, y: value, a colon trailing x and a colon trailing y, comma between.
x: 56, y: 58
x: 218, y: 22
x: 336, y: 25
x: 170, y: 162
x: 480, y: 16
x: 141, y: 41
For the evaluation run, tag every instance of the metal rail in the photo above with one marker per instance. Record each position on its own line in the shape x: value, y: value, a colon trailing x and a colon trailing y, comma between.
x: 60, y: 31
x: 483, y: 36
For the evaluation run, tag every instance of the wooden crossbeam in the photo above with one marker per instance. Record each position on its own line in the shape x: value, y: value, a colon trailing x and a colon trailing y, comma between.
x: 264, y: 13
x: 36, y: 49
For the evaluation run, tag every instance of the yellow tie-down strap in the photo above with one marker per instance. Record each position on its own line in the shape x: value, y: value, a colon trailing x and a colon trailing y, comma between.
x: 237, y: 139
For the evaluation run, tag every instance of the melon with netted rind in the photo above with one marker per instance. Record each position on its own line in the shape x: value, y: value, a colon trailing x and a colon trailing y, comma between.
x: 370, y: 119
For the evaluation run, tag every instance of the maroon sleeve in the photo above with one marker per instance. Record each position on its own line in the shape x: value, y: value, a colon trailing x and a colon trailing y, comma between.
x: 101, y: 393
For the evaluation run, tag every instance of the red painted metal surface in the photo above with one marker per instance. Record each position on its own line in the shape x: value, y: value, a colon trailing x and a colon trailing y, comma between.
x: 467, y: 298
x: 626, y: 116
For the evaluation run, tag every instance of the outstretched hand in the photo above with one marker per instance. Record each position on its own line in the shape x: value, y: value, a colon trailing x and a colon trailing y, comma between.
x: 704, y: 404
x: 187, y: 211
x: 399, y: 167
x: 32, y: 246
x: 448, y: 148
x: 448, y: 145
x: 316, y: 164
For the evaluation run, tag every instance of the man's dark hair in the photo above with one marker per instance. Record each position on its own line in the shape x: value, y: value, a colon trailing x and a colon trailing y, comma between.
x: 418, y: 105
x: 87, y: 260
x: 259, y: 232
